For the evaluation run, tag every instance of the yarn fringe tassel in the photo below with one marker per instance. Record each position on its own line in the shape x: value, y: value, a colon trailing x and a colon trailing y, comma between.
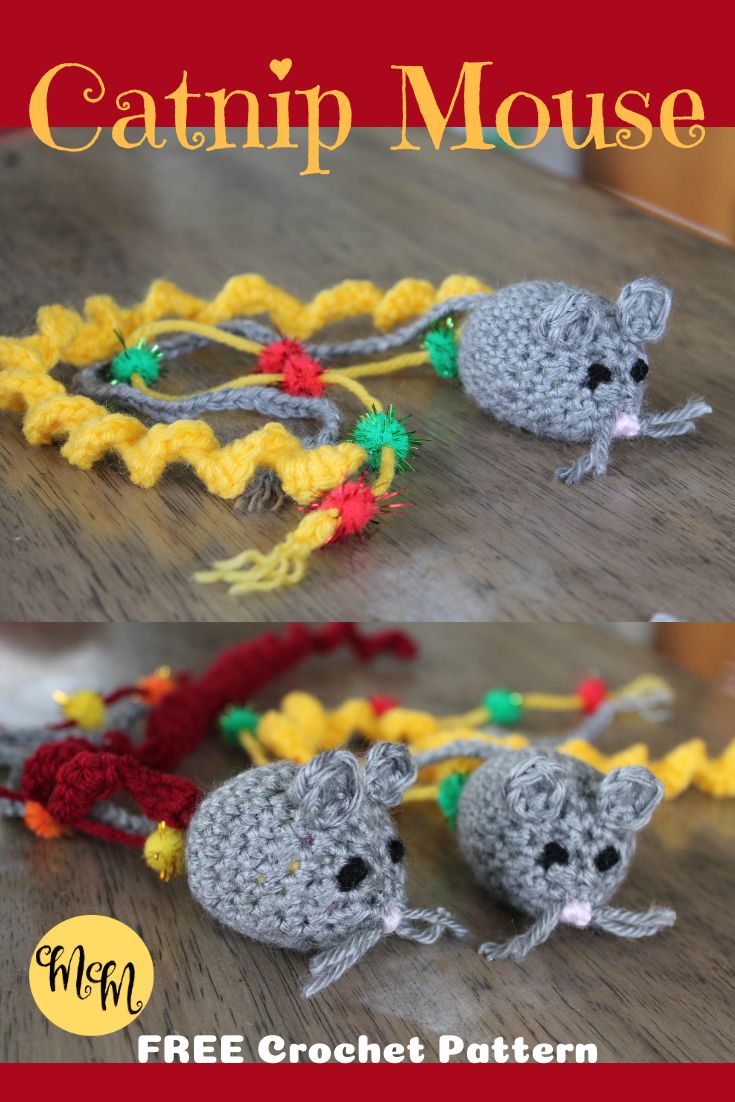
x: 256, y: 571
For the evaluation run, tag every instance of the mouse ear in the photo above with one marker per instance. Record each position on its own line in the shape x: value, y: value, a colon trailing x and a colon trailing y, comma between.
x: 643, y: 308
x: 629, y: 796
x: 571, y: 320
x: 328, y: 788
x: 389, y: 771
x: 535, y: 789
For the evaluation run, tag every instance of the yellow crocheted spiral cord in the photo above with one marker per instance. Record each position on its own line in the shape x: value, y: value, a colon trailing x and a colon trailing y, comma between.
x: 89, y: 432
x: 50, y: 413
x: 303, y: 727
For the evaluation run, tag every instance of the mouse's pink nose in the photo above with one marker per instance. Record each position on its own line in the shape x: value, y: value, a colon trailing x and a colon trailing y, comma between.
x: 391, y: 919
x: 577, y: 912
x: 627, y: 424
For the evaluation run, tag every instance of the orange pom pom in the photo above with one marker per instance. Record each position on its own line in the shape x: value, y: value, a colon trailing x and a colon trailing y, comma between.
x: 156, y: 686
x: 37, y: 819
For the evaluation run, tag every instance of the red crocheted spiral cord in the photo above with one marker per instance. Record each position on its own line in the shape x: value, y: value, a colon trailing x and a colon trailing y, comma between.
x: 8, y: 794
x: 68, y: 777
x: 183, y: 718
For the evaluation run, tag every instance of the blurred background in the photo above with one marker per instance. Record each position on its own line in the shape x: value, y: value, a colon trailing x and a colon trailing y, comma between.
x: 695, y: 188
x: 38, y: 659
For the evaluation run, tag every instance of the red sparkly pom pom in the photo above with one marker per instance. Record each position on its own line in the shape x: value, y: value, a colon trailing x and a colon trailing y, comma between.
x: 383, y: 704
x: 593, y: 692
x: 301, y: 373
x: 357, y: 505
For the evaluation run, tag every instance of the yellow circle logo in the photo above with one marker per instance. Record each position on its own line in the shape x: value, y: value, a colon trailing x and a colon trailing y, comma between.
x: 91, y: 975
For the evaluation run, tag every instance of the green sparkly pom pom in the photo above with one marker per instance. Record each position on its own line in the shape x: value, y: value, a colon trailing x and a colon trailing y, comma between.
x: 450, y: 790
x: 377, y: 430
x: 504, y: 708
x: 441, y: 344
x: 236, y: 719
x: 142, y: 359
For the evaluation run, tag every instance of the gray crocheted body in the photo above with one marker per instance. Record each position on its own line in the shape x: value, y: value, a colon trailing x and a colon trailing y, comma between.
x: 308, y: 858
x: 522, y: 802
x: 570, y: 365
x: 552, y: 837
x: 525, y: 356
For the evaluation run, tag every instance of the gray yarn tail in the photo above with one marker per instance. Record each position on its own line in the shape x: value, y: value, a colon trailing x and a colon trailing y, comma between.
x: 462, y: 748
x: 426, y: 927
x: 594, y: 462
x: 675, y: 422
x: 520, y: 946
x: 388, y: 342
x: 328, y: 966
x: 264, y: 494
x: 651, y: 706
x: 614, y: 920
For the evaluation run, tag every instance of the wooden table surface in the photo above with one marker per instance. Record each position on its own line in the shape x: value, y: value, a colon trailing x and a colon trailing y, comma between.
x: 491, y: 535
x: 665, y: 998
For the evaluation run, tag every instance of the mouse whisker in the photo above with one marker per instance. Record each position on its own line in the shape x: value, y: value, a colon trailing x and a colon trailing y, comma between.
x: 328, y: 966
x: 593, y: 462
x: 520, y: 946
x: 615, y: 920
x: 675, y: 422
x: 437, y: 923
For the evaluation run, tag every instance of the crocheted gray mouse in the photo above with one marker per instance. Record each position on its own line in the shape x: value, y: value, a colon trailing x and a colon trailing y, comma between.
x: 556, y: 360
x: 308, y: 858
x: 550, y: 836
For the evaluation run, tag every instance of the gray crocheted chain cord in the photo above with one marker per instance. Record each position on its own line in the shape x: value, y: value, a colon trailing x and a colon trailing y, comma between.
x: 552, y: 837
x: 382, y: 343
x: 259, y: 399
x: 307, y: 858
x: 376, y: 345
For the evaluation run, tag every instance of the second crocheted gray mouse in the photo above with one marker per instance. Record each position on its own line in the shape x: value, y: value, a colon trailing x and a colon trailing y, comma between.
x: 308, y: 858
x: 550, y: 836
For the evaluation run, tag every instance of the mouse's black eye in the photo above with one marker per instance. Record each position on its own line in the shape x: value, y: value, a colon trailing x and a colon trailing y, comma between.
x: 596, y: 374
x: 352, y: 874
x: 638, y: 371
x: 395, y: 849
x: 606, y: 858
x: 553, y: 854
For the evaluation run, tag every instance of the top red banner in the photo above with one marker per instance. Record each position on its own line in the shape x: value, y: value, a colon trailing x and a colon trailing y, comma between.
x: 369, y: 65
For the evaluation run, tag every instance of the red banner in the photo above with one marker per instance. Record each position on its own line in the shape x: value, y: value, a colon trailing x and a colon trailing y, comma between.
x: 534, y: 52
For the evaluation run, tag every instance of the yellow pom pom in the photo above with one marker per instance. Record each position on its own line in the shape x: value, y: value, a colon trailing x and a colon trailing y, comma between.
x: 85, y: 708
x: 164, y: 851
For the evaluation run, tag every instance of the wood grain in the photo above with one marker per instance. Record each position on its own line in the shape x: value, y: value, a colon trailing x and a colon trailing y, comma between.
x: 491, y: 536
x: 667, y: 998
